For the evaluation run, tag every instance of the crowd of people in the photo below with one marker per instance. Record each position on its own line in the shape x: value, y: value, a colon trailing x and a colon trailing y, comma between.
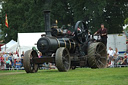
x: 114, y: 59
x: 46, y: 65
x: 15, y: 61
x: 11, y: 60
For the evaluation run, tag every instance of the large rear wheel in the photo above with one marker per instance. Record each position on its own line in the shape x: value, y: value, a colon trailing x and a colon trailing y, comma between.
x: 29, y: 65
x: 97, y: 55
x: 62, y: 59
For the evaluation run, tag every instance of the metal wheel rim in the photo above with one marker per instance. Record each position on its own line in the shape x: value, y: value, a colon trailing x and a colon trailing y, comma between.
x: 65, y: 58
x: 62, y: 59
x: 98, y: 58
x: 28, y: 65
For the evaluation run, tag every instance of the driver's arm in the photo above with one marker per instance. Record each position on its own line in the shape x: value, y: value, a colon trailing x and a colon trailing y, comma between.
x: 97, y: 32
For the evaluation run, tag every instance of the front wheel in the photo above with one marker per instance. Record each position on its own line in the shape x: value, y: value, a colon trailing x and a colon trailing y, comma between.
x: 62, y: 59
x: 29, y: 65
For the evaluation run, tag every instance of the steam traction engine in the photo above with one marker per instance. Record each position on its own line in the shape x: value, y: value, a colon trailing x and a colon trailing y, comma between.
x: 66, y: 51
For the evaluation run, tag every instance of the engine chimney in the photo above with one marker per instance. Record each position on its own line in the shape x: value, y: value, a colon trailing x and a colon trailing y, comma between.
x: 47, y: 22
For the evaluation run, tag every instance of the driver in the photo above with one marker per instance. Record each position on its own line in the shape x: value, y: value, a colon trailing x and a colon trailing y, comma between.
x: 103, y: 33
x: 79, y: 30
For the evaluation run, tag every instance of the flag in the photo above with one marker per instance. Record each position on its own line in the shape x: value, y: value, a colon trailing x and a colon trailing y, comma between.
x: 6, y: 21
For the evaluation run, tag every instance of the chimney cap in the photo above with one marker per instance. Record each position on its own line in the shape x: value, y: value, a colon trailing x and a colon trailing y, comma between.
x: 46, y: 11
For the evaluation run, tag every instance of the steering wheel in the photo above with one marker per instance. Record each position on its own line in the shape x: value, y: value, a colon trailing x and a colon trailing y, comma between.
x: 81, y: 32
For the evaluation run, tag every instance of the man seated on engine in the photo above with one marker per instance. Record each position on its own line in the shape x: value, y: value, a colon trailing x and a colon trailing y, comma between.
x: 103, y: 33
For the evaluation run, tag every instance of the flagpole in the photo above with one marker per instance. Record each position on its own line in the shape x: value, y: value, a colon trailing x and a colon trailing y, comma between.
x: 5, y: 41
x: 5, y: 47
x: 6, y: 24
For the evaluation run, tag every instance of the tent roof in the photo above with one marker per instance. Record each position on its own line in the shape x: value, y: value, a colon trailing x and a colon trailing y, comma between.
x: 13, y: 48
x: 28, y: 39
x: 9, y: 44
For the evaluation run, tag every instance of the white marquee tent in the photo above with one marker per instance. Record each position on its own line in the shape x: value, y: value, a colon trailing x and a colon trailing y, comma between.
x: 27, y: 40
x: 8, y: 45
x: 117, y: 41
x: 11, y: 49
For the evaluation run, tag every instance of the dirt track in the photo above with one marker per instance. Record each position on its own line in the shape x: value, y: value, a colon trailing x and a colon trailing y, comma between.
x: 11, y: 73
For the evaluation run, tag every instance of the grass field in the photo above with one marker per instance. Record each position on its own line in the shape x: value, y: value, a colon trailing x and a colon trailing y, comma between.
x: 80, y: 76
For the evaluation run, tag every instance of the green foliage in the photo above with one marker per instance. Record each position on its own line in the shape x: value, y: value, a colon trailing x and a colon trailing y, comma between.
x: 23, y: 16
x: 27, y: 15
x: 116, y: 14
x: 79, y: 76
x: 126, y: 21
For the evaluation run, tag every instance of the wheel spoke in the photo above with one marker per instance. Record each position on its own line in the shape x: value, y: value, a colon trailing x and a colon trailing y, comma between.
x: 101, y: 62
x: 97, y: 54
x: 97, y: 63
x: 66, y: 64
x: 98, y: 47
x: 66, y: 55
x: 63, y: 58
x: 103, y: 57
x: 102, y: 50
x: 93, y: 62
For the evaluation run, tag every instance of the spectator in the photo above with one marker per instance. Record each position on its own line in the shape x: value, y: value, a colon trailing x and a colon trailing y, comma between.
x: 22, y: 56
x: 18, y: 64
x: 8, y: 63
x: 40, y: 55
x: 12, y: 60
x: 120, y: 61
x: 116, y: 53
x: 108, y: 52
x: 111, y: 52
x: 125, y: 59
x: 15, y: 58
x: 4, y: 55
x: 125, y: 55
x: 10, y: 57
x: 2, y: 61
x: 111, y: 56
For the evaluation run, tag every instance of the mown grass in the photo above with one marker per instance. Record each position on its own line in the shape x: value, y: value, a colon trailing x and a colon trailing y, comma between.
x: 80, y: 76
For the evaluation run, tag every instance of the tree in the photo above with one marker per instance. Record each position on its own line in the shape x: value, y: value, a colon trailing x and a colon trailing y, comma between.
x: 89, y: 11
x: 116, y: 12
x: 23, y: 16
x: 27, y: 15
x: 126, y: 23
x: 61, y: 11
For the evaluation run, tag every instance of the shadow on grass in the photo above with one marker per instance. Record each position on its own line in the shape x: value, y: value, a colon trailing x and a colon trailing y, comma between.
x: 40, y: 71
x: 55, y: 71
